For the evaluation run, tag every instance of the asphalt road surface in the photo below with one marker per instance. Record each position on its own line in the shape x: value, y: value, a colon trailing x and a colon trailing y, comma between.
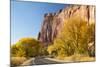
x: 40, y: 61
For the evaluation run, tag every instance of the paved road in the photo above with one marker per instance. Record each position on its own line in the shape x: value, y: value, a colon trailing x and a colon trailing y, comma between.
x: 40, y: 61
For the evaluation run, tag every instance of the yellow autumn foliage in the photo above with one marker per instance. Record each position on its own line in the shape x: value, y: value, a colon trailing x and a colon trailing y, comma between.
x: 26, y: 47
x: 74, y: 38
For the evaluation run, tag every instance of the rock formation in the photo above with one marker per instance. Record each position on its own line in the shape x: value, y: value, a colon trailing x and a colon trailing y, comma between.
x: 53, y: 22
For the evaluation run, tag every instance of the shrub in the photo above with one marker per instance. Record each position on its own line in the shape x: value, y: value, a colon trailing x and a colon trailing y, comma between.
x: 17, y: 61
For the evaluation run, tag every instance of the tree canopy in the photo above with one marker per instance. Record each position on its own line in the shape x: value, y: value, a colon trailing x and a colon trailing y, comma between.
x: 74, y: 37
x: 28, y: 47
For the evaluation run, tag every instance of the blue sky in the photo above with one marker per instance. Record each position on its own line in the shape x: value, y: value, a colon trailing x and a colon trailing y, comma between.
x: 27, y: 17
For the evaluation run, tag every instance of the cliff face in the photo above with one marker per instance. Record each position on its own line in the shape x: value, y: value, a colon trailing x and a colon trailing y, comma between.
x: 53, y: 22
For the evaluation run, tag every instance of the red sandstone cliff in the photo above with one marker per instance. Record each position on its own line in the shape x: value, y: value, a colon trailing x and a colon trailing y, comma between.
x: 53, y: 22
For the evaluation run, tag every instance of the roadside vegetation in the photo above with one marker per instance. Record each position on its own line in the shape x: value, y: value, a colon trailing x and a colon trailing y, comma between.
x: 25, y: 49
x: 76, y: 42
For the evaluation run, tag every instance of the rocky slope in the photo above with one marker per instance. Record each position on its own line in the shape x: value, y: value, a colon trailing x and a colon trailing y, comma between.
x: 53, y: 22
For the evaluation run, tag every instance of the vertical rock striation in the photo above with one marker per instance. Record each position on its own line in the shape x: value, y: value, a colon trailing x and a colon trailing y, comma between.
x: 53, y: 22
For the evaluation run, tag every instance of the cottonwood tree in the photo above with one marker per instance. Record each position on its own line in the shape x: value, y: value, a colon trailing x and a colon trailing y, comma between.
x: 28, y: 47
x: 74, y: 37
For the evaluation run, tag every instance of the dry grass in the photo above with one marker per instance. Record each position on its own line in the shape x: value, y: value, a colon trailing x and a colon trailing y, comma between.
x: 28, y: 62
x: 16, y: 61
x: 76, y: 58
x: 61, y: 57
